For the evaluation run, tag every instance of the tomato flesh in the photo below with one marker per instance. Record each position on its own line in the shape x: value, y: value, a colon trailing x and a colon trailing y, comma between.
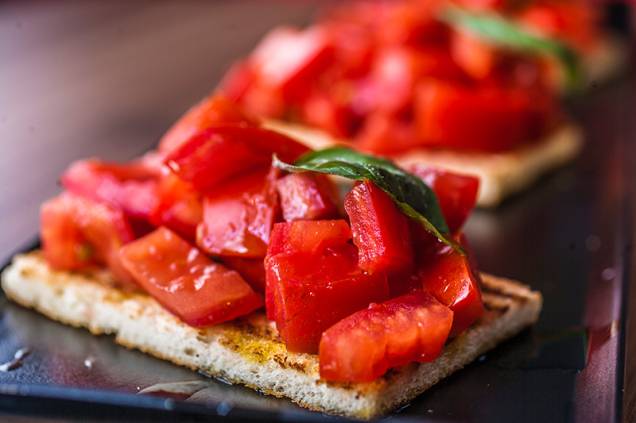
x: 456, y: 193
x: 238, y: 217
x: 311, y: 292
x: 252, y: 270
x: 78, y: 234
x: 306, y: 196
x: 308, y: 236
x: 211, y: 111
x: 219, y: 153
x: 181, y: 278
x: 380, y: 230
x: 179, y: 206
x: 364, y: 345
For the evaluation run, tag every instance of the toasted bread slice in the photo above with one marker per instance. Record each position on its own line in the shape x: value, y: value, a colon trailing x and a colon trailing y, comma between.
x: 501, y: 174
x: 248, y: 351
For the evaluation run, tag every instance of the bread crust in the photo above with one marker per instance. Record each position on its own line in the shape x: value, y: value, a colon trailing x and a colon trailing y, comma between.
x: 248, y: 351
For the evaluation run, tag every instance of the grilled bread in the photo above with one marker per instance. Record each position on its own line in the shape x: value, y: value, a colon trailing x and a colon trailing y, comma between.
x: 247, y: 351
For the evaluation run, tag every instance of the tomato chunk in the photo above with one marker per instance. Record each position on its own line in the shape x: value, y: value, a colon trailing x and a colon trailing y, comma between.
x: 252, y: 270
x: 187, y: 283
x: 380, y: 230
x: 179, y: 207
x: 452, y: 279
x: 288, y: 59
x: 238, y: 217
x: 306, y: 196
x: 221, y: 152
x: 363, y: 346
x: 131, y: 187
x: 456, y: 193
x: 78, y: 233
x: 311, y: 292
x: 212, y: 110
x: 308, y: 236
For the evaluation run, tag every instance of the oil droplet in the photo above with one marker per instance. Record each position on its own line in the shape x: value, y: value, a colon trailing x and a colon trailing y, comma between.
x: 89, y: 361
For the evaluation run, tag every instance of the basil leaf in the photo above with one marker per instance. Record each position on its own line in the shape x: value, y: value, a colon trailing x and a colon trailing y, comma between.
x: 505, y: 33
x: 412, y: 196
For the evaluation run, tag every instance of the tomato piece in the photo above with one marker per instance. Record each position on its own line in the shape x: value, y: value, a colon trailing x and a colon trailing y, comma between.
x: 131, y: 187
x: 213, y: 110
x: 237, y: 81
x: 306, y: 196
x: 328, y: 112
x: 179, y: 207
x: 311, y: 292
x: 252, y: 270
x: 364, y: 345
x: 288, y: 60
x: 380, y: 230
x: 78, y: 234
x: 222, y: 152
x: 186, y: 282
x: 456, y: 193
x: 476, y: 57
x: 487, y: 117
x: 386, y: 134
x: 449, y: 277
x: 308, y: 236
x: 238, y: 217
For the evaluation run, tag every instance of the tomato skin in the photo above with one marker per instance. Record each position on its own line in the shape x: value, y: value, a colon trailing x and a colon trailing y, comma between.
x: 380, y: 231
x: 311, y: 292
x: 481, y: 118
x: 131, y: 187
x: 385, y: 134
x: 211, y: 111
x: 456, y: 193
x: 252, y: 270
x: 179, y: 206
x: 238, y: 217
x: 364, y: 345
x: 476, y: 57
x: 78, y: 234
x: 187, y: 283
x: 287, y: 60
x: 308, y: 236
x: 222, y: 152
x: 237, y: 81
x: 307, y: 196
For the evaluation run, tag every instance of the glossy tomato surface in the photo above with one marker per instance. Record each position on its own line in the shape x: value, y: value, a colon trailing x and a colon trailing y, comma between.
x: 380, y: 230
x: 308, y: 236
x: 307, y: 196
x: 238, y: 217
x: 186, y: 282
x: 363, y: 346
x: 220, y: 153
x: 179, y: 206
x: 252, y: 270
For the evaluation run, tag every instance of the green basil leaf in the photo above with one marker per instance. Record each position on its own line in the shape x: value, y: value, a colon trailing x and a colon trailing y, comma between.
x: 503, y: 32
x: 412, y: 196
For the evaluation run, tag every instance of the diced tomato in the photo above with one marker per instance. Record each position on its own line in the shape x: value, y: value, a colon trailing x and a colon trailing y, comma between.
x: 488, y: 118
x: 238, y: 217
x: 385, y: 134
x: 380, y: 230
x: 476, y: 57
x: 179, y: 206
x: 308, y: 236
x: 288, y: 59
x: 328, y: 112
x: 222, y: 152
x: 213, y: 110
x: 311, y: 292
x: 307, y: 196
x: 131, y: 187
x: 78, y: 233
x: 450, y: 277
x: 456, y: 193
x: 187, y: 283
x: 252, y: 270
x: 488, y: 5
x: 363, y: 346
x: 237, y: 81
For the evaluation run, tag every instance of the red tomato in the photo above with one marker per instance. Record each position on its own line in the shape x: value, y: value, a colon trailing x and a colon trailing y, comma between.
x: 476, y: 57
x: 456, y: 193
x: 213, y: 110
x: 307, y: 196
x: 222, y: 152
x: 308, y: 236
x: 450, y: 278
x: 187, y: 283
x: 324, y: 110
x: 386, y: 134
x: 179, y: 207
x: 252, y: 270
x: 238, y: 217
x: 237, y: 81
x: 288, y: 60
x: 311, y: 292
x: 78, y: 233
x: 131, y: 187
x: 364, y: 345
x: 380, y: 230
x: 486, y: 117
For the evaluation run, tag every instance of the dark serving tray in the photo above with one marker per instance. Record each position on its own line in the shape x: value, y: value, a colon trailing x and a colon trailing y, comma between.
x: 569, y: 237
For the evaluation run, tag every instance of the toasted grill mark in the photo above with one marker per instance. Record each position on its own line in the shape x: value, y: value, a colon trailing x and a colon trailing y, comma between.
x: 250, y: 346
x: 285, y: 363
x: 26, y: 272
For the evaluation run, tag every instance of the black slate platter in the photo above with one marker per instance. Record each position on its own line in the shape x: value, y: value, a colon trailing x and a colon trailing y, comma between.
x: 569, y: 237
